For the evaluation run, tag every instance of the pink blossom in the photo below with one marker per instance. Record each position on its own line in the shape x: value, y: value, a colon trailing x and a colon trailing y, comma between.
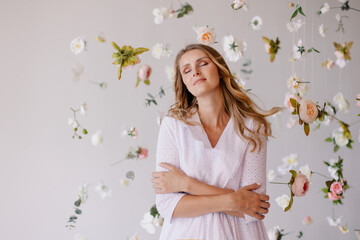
x: 143, y: 153
x: 330, y: 64
x: 287, y: 101
x: 336, y: 188
x: 339, y: 54
x: 307, y: 221
x: 300, y: 185
x: 144, y: 72
x: 308, y: 111
x: 358, y: 101
x: 333, y: 197
x: 267, y: 48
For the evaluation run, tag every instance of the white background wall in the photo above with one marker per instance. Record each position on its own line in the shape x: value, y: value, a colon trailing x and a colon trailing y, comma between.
x: 41, y: 166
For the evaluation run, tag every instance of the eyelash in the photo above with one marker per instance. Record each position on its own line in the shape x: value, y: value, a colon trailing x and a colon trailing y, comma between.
x: 201, y: 64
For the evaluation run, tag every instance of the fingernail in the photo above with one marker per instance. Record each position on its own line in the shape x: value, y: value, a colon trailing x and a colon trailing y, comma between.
x: 258, y: 184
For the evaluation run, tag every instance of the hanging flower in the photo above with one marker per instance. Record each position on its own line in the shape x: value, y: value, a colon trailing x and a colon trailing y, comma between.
x: 151, y: 220
x: 237, y: 4
x: 329, y: 64
x: 333, y: 222
x: 143, y: 75
x: 341, y: 102
x: 358, y: 99
x: 300, y: 185
x: 287, y: 102
x: 170, y: 73
x: 322, y: 30
x: 340, y: 139
x: 100, y: 38
x: 271, y: 175
x: 160, y: 50
x: 283, y: 201
x: 103, y: 190
x: 289, y: 162
x: 75, y: 123
x: 256, y: 23
x: 78, y: 45
x: 344, y: 229
x: 324, y: 8
x: 297, y: 85
x: 233, y: 48
x: 126, y: 56
x: 97, y: 138
x: 307, y: 221
x: 342, y: 53
x: 205, y: 35
x: 184, y: 10
x: 308, y: 111
x: 295, y: 25
x: 125, y: 182
x: 139, y: 153
x: 271, y: 47
x: 160, y: 14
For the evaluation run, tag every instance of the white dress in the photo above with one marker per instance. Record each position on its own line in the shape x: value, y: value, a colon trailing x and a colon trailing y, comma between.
x: 230, y: 164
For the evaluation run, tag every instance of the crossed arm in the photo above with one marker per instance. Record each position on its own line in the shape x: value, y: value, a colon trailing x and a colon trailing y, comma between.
x: 205, y: 198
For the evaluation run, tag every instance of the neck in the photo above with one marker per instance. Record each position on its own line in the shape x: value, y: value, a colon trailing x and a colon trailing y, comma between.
x: 212, y: 111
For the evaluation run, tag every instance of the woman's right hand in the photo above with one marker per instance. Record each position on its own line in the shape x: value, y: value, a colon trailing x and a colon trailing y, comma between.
x: 244, y: 200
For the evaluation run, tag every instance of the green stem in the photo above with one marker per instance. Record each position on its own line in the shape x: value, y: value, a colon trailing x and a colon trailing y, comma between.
x: 117, y: 162
x: 355, y: 9
x: 354, y: 123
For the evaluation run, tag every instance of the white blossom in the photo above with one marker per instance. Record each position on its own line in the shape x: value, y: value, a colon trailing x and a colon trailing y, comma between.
x: 149, y: 222
x: 170, y: 73
x: 160, y: 14
x: 233, y: 48
x: 306, y: 171
x: 271, y: 175
x: 341, y: 102
x: 83, y: 108
x: 322, y: 30
x: 125, y: 182
x: 97, y: 138
x: 334, y: 221
x: 103, y: 190
x: 340, y: 139
x: 256, y: 23
x: 159, y: 50
x: 295, y: 25
x: 78, y: 45
x: 291, y: 122
x: 325, y: 8
x: 283, y: 201
x: 273, y: 233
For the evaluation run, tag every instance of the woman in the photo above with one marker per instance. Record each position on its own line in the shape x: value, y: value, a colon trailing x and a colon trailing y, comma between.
x: 211, y: 154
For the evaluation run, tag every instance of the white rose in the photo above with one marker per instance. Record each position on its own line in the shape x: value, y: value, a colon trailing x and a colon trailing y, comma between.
x: 325, y: 8
x: 157, y: 50
x: 283, y: 201
x: 273, y: 233
x: 148, y: 223
x: 271, y: 175
x: 97, y: 138
x: 341, y: 102
x: 341, y: 62
x: 341, y: 140
x: 306, y: 171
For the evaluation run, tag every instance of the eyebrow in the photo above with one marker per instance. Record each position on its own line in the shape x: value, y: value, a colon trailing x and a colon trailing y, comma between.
x: 196, y: 61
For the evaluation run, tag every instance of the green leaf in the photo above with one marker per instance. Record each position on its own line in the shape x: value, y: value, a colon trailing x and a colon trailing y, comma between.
x: 301, y: 11
x: 336, y: 148
x: 85, y: 131
x: 327, y: 164
x: 294, y: 103
x: 78, y: 202
x: 246, y: 71
x: 116, y: 55
x: 147, y: 82
x: 272, y: 57
x: 247, y: 63
x: 115, y: 46
x: 316, y: 50
x: 294, y: 14
x: 78, y: 211
x: 310, y: 50
x: 140, y: 50
x: 325, y: 190
x: 290, y: 202
x: 293, y: 176
x: 153, y: 211
x: 266, y: 40
x: 150, y: 95
x: 137, y: 81
x: 306, y: 129
x: 119, y: 71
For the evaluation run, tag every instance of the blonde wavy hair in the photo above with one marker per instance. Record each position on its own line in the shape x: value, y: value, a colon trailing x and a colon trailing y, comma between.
x: 236, y: 101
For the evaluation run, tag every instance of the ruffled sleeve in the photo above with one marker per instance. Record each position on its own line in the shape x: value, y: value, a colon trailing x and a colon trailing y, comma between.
x: 167, y: 152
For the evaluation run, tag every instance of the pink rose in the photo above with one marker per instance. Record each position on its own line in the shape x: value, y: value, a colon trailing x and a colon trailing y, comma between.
x: 330, y: 64
x: 307, y: 221
x: 287, y: 102
x: 333, y: 197
x: 143, y: 153
x: 300, y: 185
x: 267, y: 48
x: 308, y: 111
x: 336, y: 187
x: 144, y: 72
x: 339, y: 54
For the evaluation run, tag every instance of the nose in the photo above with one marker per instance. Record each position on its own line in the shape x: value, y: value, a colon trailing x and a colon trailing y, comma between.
x: 196, y: 73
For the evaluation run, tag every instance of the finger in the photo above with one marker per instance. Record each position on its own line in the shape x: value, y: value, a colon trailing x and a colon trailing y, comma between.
x: 155, y: 180
x: 265, y: 205
x: 253, y: 186
x: 264, y: 197
x: 263, y: 210
x: 159, y: 174
x: 257, y: 216
x: 168, y: 166
x: 156, y: 186
x: 155, y: 174
x: 158, y: 191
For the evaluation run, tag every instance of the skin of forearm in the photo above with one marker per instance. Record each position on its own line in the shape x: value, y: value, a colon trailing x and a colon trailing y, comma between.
x: 196, y: 187
x: 193, y: 206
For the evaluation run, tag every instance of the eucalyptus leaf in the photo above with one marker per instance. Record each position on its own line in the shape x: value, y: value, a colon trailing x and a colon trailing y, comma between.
x: 78, y: 202
x: 78, y: 211
x: 130, y: 175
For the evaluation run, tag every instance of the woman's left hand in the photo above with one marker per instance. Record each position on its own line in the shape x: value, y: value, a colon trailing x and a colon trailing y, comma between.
x: 170, y: 181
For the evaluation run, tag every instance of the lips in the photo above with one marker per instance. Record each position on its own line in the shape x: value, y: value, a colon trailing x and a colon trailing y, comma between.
x: 199, y: 80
